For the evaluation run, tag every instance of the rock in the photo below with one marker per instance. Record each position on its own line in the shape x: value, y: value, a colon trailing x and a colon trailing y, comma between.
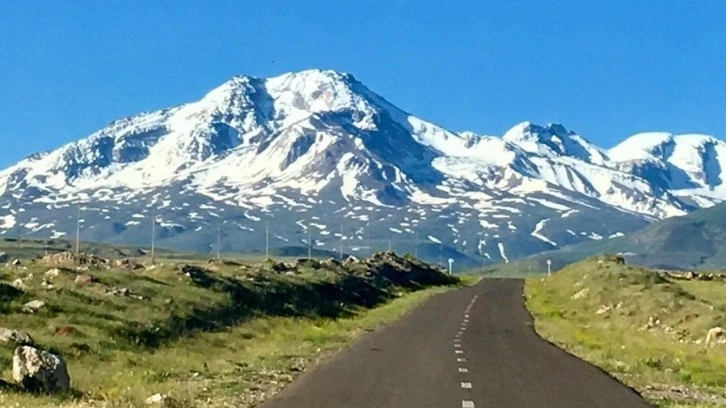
x: 70, y: 257
x: 332, y: 262
x: 84, y: 279
x: 653, y: 321
x: 715, y: 334
x: 116, y: 291
x: 53, y: 273
x: 603, y: 309
x: 19, y: 284
x: 127, y: 264
x: 3, y: 256
x: 691, y: 275
x: 39, y: 371
x: 63, y: 330
x: 15, y: 262
x: 157, y: 399
x: 581, y: 293
x: 15, y: 338
x: 352, y: 259
x: 33, y: 306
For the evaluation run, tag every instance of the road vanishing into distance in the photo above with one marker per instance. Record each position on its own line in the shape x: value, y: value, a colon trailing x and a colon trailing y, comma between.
x: 473, y: 347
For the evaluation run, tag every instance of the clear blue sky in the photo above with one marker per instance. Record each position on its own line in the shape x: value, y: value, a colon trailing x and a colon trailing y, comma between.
x: 606, y: 69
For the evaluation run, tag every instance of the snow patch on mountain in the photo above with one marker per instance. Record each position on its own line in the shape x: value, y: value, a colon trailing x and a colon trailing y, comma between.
x: 537, y: 232
x: 502, y: 253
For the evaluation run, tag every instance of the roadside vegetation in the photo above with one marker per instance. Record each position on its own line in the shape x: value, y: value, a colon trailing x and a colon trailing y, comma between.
x: 217, y: 334
x: 645, y: 327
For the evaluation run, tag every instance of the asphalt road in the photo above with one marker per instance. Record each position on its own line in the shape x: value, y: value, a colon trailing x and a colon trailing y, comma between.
x: 473, y: 347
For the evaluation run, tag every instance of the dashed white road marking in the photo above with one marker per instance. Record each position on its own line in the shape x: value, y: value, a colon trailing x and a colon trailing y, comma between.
x: 466, y: 385
x: 457, y: 345
x: 463, y: 370
x: 461, y: 360
x: 459, y: 352
x: 467, y: 404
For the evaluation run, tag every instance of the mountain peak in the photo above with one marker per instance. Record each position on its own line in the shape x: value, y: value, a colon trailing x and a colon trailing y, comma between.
x: 553, y: 139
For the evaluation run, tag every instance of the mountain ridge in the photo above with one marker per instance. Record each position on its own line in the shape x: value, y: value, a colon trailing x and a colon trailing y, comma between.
x: 319, y: 143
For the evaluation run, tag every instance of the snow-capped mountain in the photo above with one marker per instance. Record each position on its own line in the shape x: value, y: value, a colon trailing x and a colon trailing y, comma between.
x: 318, y: 149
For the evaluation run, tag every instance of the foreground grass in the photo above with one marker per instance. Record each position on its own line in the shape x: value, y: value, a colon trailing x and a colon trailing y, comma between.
x: 120, y: 350
x: 601, y: 312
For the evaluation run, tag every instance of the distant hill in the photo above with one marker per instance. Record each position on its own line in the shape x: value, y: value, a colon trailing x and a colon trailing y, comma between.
x: 693, y: 241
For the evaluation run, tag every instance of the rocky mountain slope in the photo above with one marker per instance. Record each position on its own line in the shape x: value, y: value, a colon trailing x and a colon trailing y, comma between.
x: 319, y: 150
x: 693, y: 241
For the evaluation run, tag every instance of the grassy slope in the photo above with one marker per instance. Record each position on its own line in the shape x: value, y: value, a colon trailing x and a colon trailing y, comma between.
x: 227, y: 341
x: 656, y: 360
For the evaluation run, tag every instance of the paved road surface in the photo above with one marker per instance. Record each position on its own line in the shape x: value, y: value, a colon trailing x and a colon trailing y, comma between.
x: 473, y: 347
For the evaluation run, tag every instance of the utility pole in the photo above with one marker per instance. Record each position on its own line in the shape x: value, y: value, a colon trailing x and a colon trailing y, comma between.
x: 153, y: 236
x: 310, y: 245
x: 219, y: 241
x: 389, y: 244
x: 78, y: 229
x: 341, y: 242
x: 267, y: 240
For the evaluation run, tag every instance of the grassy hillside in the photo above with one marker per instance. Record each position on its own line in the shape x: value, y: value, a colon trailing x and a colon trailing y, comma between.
x: 218, y: 334
x: 646, y: 328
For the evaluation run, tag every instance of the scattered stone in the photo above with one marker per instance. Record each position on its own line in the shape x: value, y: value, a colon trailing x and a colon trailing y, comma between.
x: 653, y: 321
x: 581, y: 294
x: 15, y: 338
x: 19, y: 284
x: 47, y: 285
x: 116, y: 291
x: 15, y: 262
x: 53, y: 273
x: 39, y: 371
x: 332, y: 263
x: 84, y: 279
x: 157, y: 399
x: 352, y: 259
x: 3, y: 256
x: 33, y: 306
x: 73, y: 258
x: 127, y: 264
x: 603, y: 309
x: 691, y: 275
x: 715, y: 334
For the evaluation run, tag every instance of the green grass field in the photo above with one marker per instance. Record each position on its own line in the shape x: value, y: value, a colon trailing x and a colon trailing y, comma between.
x: 601, y: 313
x: 226, y: 338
